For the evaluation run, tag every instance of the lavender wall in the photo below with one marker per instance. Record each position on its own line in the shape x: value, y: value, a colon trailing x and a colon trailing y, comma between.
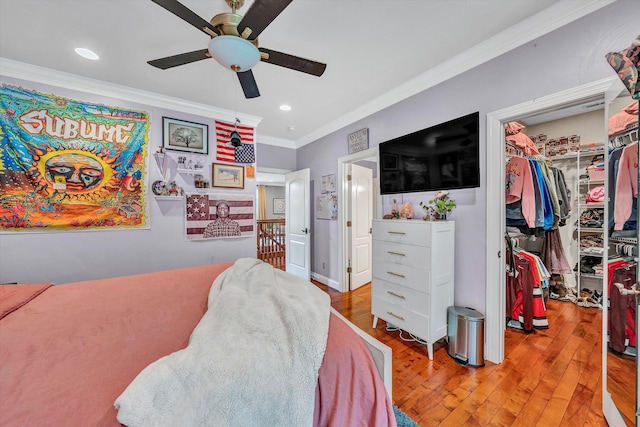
x: 568, y: 57
x: 271, y: 156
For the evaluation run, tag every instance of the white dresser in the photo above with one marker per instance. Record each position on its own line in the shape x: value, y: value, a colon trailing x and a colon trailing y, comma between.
x: 412, y: 284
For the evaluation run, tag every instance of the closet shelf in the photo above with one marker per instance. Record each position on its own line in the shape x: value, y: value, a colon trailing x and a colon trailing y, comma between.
x: 591, y: 230
x: 591, y: 276
x: 591, y: 181
x: 591, y: 205
x: 174, y: 198
x: 630, y: 240
x: 198, y: 171
x: 582, y: 253
x: 587, y: 154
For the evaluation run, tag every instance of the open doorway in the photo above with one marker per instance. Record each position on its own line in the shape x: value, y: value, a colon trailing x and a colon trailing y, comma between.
x: 496, y: 217
x: 347, y: 203
x: 270, y: 214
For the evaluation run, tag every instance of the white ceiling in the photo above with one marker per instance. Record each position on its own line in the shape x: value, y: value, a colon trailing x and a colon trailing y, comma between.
x: 377, y: 51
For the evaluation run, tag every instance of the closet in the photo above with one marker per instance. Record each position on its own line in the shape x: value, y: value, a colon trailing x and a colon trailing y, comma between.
x: 555, y: 216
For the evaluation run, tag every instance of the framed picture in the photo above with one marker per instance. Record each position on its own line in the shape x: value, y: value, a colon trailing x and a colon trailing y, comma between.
x: 180, y: 135
x: 278, y: 206
x: 227, y: 176
x: 328, y: 183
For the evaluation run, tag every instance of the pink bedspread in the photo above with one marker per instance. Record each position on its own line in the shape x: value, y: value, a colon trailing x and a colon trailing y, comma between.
x: 67, y: 353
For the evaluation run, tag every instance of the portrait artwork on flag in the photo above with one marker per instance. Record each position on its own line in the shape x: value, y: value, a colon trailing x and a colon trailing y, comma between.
x: 70, y: 165
x: 226, y: 151
x: 216, y: 216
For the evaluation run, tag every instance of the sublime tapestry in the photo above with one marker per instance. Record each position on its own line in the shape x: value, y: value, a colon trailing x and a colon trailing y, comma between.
x: 67, y: 164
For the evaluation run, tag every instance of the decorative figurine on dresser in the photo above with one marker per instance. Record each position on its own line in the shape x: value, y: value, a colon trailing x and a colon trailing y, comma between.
x: 412, y: 283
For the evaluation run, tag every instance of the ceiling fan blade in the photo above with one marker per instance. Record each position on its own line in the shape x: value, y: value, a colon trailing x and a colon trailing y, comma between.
x: 260, y: 14
x: 181, y: 11
x: 248, y: 83
x: 294, y: 62
x: 181, y: 59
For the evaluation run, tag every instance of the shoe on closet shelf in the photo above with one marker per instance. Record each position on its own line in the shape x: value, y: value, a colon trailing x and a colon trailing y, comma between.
x: 591, y: 302
x: 585, y: 293
x: 597, y: 295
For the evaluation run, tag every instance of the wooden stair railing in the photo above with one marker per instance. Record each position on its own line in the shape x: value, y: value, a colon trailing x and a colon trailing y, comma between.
x: 271, y: 242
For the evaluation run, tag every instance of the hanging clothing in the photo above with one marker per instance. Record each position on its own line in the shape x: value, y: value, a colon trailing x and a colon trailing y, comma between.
x: 525, y: 303
x: 626, y: 185
x: 553, y: 192
x: 553, y: 255
x: 563, y: 195
x: 538, y: 196
x: 519, y: 188
x: 546, y: 198
x: 531, y: 195
x: 622, y: 310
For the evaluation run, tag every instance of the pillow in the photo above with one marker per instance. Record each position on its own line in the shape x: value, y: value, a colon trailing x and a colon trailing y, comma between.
x: 627, y: 64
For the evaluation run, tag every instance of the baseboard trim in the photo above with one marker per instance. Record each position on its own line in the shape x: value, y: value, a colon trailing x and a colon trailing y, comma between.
x: 325, y: 280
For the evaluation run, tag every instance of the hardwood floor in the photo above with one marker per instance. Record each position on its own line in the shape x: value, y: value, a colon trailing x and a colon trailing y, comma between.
x: 548, y: 378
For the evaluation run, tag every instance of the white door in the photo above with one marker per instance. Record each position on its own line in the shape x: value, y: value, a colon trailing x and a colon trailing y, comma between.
x: 298, y: 220
x: 361, y: 211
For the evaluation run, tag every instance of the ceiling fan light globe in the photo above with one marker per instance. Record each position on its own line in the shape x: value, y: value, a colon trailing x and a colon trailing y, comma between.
x: 234, y: 52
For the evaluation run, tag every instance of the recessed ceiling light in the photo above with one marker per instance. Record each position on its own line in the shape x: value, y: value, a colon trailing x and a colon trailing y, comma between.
x: 290, y: 128
x: 86, y: 53
x: 285, y: 107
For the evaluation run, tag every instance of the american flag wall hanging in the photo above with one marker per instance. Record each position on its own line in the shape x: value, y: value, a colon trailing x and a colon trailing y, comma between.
x: 226, y: 152
x: 215, y: 216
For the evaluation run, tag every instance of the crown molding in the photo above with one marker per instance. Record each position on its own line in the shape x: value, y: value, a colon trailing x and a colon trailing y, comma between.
x: 278, y: 142
x: 34, y: 73
x: 547, y: 20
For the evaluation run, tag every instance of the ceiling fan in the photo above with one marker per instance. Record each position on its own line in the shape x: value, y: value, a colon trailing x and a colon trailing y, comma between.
x: 234, y: 41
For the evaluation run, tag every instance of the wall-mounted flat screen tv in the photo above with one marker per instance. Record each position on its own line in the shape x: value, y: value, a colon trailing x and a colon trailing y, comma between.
x: 442, y: 157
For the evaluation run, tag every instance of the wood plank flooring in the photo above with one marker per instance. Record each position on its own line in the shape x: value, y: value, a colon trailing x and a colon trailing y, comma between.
x: 548, y: 378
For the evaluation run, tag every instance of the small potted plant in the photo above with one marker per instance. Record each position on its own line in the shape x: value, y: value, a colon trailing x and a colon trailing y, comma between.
x: 439, y: 207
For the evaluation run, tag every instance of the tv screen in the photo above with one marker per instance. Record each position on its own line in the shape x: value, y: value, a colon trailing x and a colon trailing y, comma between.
x: 442, y: 157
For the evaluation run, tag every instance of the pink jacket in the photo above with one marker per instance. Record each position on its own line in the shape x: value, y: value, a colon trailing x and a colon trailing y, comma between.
x: 519, y: 186
x: 626, y: 185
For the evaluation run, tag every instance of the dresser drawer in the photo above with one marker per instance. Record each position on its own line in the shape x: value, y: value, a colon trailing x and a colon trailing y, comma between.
x: 407, y: 320
x: 403, y: 231
x: 401, y: 295
x: 413, y: 256
x: 411, y: 277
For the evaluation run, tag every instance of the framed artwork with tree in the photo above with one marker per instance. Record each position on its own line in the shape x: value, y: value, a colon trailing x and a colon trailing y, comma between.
x: 181, y: 135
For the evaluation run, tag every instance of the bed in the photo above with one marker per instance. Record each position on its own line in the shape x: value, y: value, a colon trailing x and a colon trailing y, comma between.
x: 69, y: 352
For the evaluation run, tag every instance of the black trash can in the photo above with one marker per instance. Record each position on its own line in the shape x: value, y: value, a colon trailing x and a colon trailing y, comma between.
x: 465, y: 335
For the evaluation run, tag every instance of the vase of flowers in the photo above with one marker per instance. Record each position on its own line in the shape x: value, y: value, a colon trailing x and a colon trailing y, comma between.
x: 439, y: 207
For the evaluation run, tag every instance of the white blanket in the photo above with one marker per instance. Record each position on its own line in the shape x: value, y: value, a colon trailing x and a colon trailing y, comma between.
x: 252, y: 360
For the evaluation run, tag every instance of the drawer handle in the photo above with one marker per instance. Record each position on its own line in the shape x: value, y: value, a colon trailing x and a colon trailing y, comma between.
x: 396, y: 253
x: 395, y: 274
x: 396, y: 232
x: 395, y: 315
x: 395, y: 295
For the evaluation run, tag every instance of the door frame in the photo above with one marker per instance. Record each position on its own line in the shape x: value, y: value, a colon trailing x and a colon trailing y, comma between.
x: 343, y: 213
x: 496, y: 218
